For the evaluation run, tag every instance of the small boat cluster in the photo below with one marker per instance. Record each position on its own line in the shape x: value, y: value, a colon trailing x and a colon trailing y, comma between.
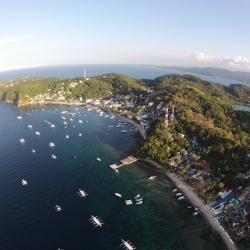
x: 179, y: 195
x: 138, y: 200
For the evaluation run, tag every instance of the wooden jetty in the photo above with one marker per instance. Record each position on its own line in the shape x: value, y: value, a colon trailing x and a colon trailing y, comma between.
x: 130, y: 159
x: 127, y: 245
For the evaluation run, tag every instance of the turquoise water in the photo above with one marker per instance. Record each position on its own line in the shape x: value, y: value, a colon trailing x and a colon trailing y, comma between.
x: 28, y: 218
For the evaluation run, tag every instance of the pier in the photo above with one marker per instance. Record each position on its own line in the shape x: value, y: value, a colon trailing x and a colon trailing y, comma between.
x: 126, y: 161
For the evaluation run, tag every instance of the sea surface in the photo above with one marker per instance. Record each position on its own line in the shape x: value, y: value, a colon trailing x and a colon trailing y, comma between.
x: 28, y: 219
x: 136, y: 71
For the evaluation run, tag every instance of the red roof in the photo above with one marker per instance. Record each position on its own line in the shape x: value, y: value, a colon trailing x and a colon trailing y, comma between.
x: 204, y: 164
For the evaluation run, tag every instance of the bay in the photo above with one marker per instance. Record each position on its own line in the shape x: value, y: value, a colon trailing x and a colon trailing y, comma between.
x: 136, y: 71
x: 28, y: 218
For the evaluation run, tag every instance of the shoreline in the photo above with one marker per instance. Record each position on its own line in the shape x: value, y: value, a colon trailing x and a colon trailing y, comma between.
x: 198, y: 202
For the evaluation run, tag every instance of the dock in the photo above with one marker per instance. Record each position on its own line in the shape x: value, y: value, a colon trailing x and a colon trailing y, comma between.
x: 128, y: 202
x: 130, y: 159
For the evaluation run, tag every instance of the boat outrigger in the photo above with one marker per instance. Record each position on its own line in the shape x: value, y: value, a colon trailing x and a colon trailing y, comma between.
x: 137, y: 196
x: 82, y: 193
x: 58, y: 208
x: 127, y: 245
x: 22, y: 140
x: 51, y: 144
x: 96, y: 221
x: 98, y: 159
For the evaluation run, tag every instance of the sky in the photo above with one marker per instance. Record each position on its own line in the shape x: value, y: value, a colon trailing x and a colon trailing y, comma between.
x: 188, y: 33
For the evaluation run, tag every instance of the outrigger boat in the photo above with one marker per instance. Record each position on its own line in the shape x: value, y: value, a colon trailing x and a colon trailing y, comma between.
x: 24, y: 182
x: 98, y: 159
x: 33, y: 150
x: 19, y: 117
x: 152, y: 177
x: 127, y: 245
x: 58, y: 208
x: 30, y: 126
x: 179, y: 194
x: 53, y: 157
x: 137, y: 196
x: 82, y: 193
x: 96, y: 221
x: 139, y: 202
x: 80, y: 134
x: 51, y: 144
x: 22, y: 140
x: 174, y: 190
x: 37, y: 133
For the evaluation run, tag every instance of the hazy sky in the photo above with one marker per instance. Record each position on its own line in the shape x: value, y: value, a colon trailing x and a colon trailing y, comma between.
x: 155, y: 32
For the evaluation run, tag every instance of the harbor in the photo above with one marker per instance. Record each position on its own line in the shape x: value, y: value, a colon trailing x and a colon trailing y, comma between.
x: 129, y: 160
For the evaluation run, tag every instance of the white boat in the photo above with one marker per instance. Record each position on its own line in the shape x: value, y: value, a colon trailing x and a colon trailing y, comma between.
x: 80, y: 134
x: 139, y: 202
x: 64, y: 118
x: 98, y: 159
x: 152, y: 177
x: 75, y: 156
x: 117, y: 194
x: 67, y: 136
x: 24, y: 182
x: 63, y: 112
x: 52, y: 126
x: 189, y: 206
x: 116, y: 170
x: 19, y: 117
x: 71, y: 119
x: 33, y: 150
x: 96, y: 221
x: 174, y: 190
x: 22, y: 140
x: 179, y: 194
x: 37, y: 133
x: 51, y: 144
x: 30, y: 126
x: 80, y: 121
x: 138, y: 199
x: 181, y: 198
x: 82, y: 193
x: 65, y: 123
x: 45, y: 121
x: 58, y: 208
x: 124, y: 131
x: 137, y: 196
x: 106, y: 116
x: 53, y: 157
x: 49, y: 123
x: 101, y: 113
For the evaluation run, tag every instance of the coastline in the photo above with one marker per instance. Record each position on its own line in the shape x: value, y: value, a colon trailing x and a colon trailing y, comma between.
x: 197, y: 202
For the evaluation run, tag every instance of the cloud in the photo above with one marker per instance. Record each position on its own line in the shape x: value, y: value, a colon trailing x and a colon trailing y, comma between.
x: 227, y: 62
x: 202, y: 57
x: 10, y: 40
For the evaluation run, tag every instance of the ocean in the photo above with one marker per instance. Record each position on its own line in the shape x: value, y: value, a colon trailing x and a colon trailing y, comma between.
x: 28, y: 219
x: 136, y: 71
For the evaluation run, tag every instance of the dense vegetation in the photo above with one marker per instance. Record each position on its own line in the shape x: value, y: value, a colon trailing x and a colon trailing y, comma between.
x: 210, y: 71
x: 100, y: 86
x: 204, y: 112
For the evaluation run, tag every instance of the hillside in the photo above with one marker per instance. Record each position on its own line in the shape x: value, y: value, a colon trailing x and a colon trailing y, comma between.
x: 19, y: 91
x: 210, y: 71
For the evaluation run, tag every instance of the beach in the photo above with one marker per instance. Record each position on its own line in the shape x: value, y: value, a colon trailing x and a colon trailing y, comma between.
x: 197, y: 202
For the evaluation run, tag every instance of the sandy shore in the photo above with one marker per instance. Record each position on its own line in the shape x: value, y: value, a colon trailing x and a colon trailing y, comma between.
x: 198, y: 202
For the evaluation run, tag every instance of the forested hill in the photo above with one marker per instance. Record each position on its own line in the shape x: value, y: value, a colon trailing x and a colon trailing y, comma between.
x: 210, y: 71
x: 23, y: 90
x: 235, y: 93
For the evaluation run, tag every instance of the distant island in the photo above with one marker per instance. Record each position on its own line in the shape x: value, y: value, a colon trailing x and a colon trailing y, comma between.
x: 210, y: 71
x: 192, y: 130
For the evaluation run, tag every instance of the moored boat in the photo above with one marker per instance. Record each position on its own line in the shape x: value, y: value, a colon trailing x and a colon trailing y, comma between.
x: 22, y: 140
x: 58, y: 208
x: 137, y: 196
x: 24, y: 182
x: 174, y: 190
x: 53, y: 157
x: 98, y: 159
x: 139, y: 202
x: 152, y: 177
x: 181, y: 198
x: 117, y: 194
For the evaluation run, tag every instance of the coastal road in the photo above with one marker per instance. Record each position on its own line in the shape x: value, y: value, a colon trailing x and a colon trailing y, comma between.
x: 198, y: 202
